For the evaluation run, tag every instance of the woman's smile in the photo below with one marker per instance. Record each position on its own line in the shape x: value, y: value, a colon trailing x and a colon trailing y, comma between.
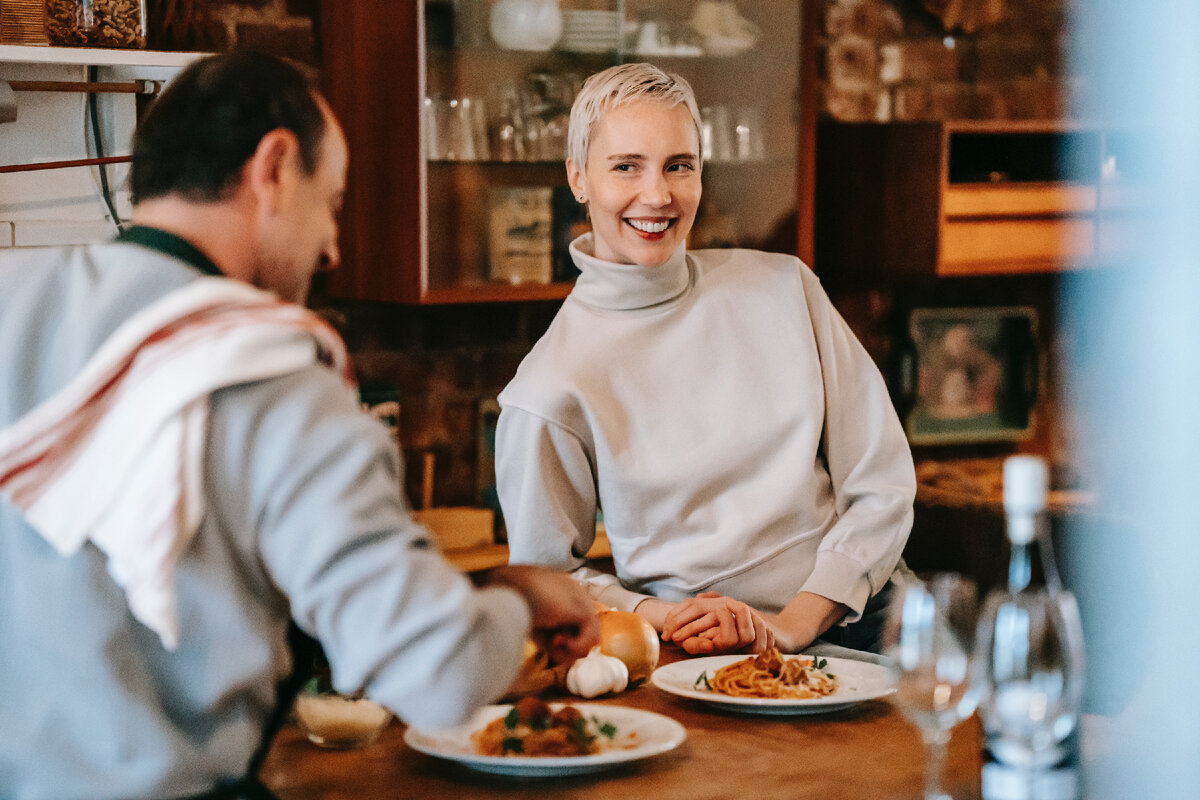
x: 650, y: 229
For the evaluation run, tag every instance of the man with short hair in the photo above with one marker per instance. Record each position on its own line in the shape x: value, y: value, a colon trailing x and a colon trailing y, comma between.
x: 184, y: 469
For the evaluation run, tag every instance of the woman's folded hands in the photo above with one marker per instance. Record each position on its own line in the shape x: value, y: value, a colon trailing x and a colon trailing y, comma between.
x: 711, y: 623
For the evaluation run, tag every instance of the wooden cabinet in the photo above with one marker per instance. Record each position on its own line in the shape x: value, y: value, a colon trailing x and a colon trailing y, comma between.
x: 970, y: 197
x: 423, y: 208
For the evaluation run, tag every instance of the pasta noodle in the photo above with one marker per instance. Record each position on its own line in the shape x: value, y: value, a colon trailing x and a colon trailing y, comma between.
x: 769, y: 674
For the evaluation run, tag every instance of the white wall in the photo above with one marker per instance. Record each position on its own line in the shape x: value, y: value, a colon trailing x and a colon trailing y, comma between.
x: 64, y: 206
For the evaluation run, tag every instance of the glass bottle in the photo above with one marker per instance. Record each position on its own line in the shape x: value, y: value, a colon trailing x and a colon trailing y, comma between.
x: 96, y: 23
x: 1051, y: 774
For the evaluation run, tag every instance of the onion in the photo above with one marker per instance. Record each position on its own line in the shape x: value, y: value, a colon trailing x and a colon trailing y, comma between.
x: 632, y: 639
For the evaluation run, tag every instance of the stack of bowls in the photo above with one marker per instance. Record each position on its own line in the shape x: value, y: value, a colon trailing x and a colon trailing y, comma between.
x: 590, y: 31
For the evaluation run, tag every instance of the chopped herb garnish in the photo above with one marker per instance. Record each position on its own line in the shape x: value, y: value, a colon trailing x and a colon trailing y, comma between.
x: 819, y: 663
x: 703, y: 678
x: 540, y: 723
x: 512, y: 718
x: 607, y: 729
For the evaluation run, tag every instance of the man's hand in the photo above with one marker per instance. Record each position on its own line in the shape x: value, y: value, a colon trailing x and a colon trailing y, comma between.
x: 565, y: 622
x: 712, y: 623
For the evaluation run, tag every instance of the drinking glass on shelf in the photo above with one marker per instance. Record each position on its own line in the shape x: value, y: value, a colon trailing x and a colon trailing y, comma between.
x: 715, y: 134
x: 1029, y: 661
x: 748, y: 133
x: 456, y: 129
x: 508, y: 129
x: 928, y: 637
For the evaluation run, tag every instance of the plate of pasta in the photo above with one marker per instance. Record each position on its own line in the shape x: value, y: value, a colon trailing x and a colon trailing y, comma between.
x: 537, y: 739
x: 772, y: 683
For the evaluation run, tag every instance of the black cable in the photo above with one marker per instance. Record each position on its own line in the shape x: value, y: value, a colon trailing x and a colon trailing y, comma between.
x: 95, y: 119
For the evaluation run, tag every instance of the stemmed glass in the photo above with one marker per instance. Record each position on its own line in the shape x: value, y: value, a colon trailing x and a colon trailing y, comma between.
x: 1029, y: 662
x: 928, y: 637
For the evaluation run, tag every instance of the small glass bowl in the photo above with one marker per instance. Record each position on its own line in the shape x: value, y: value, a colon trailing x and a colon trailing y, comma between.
x: 339, y: 721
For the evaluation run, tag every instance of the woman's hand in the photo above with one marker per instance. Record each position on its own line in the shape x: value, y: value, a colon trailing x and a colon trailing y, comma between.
x: 713, y: 623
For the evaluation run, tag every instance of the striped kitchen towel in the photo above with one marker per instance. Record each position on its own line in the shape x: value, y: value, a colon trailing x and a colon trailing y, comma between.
x: 115, y: 457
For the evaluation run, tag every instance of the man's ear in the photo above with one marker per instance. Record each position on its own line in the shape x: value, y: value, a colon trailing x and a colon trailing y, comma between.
x: 268, y: 170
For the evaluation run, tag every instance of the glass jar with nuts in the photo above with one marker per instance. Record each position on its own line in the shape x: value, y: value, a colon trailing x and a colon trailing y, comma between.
x: 96, y: 23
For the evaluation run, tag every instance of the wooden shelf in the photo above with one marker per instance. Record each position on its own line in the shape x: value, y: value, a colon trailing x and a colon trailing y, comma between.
x: 95, y: 56
x: 967, y: 198
x: 475, y: 559
x: 496, y: 293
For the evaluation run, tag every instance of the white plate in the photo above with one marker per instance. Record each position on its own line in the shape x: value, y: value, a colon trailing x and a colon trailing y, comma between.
x: 655, y: 734
x: 857, y: 681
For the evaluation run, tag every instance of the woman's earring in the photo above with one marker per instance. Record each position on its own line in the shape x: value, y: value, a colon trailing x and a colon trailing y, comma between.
x: 580, y: 198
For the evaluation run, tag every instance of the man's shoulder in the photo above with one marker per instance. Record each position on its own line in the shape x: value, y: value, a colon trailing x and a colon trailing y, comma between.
x: 68, y: 301
x: 100, y: 268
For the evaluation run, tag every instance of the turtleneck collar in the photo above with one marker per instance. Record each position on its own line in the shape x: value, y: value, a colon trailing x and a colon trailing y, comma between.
x: 627, y: 287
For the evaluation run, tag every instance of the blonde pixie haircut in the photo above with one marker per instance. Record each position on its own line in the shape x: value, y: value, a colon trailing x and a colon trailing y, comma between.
x: 616, y: 86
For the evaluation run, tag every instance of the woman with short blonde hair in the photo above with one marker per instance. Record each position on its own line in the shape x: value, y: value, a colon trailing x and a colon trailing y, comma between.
x: 756, y: 483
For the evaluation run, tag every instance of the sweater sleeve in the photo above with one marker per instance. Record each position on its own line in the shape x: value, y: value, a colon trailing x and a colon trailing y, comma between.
x: 547, y: 490
x: 548, y: 496
x: 321, y: 487
x: 869, y: 462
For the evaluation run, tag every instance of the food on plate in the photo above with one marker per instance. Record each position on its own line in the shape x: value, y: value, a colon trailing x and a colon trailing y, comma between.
x: 533, y: 728
x: 632, y: 639
x: 769, y: 674
x: 597, y: 674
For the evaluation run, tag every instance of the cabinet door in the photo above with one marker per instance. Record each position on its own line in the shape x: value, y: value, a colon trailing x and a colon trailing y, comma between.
x: 456, y: 113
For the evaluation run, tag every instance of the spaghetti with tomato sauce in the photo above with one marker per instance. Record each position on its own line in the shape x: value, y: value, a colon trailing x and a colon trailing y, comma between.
x: 770, y: 675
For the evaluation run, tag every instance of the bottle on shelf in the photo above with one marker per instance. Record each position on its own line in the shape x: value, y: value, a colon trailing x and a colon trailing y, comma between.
x: 1045, y: 772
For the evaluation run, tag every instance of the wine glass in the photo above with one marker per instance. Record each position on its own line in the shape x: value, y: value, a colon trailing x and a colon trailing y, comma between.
x: 1029, y: 663
x: 928, y: 637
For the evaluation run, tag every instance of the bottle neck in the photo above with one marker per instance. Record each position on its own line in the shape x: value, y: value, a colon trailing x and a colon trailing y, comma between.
x: 1028, y: 536
x: 1020, y: 568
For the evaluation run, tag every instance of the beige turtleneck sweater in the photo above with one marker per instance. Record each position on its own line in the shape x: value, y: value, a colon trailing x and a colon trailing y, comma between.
x: 735, y: 433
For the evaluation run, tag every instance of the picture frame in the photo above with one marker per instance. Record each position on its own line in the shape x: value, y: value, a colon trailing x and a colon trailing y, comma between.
x: 971, y: 375
x: 520, y: 234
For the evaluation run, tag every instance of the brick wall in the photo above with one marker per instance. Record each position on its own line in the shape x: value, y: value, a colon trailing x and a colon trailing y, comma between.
x: 895, y: 60
x: 442, y: 363
x: 282, y: 27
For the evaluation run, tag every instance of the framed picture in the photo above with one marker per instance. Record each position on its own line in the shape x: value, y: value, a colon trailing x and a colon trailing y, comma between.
x: 520, y: 234
x: 971, y: 374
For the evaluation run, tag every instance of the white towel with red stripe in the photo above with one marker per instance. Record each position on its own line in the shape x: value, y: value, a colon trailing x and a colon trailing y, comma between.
x: 116, y: 456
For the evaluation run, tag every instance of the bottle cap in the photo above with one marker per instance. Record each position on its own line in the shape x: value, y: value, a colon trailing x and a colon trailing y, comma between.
x: 1026, y: 482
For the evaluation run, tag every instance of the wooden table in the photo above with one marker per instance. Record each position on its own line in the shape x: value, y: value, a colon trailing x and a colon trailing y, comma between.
x: 869, y: 752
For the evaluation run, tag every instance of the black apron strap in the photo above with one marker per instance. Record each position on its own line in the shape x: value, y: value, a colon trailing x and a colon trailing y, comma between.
x: 304, y: 652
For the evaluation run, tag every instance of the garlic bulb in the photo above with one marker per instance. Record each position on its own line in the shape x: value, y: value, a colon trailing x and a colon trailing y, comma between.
x: 597, y: 674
